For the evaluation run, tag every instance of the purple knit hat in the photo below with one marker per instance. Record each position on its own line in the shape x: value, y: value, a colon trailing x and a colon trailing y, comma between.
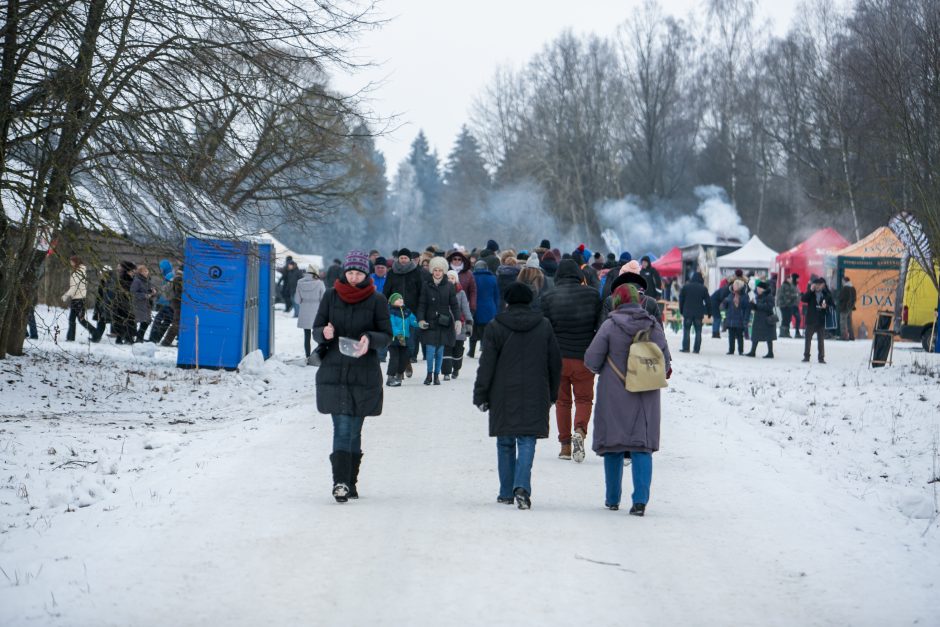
x: 356, y: 260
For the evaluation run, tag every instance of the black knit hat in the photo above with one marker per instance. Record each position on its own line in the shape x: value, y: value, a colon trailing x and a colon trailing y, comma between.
x: 403, y: 252
x: 517, y: 294
x: 545, y: 244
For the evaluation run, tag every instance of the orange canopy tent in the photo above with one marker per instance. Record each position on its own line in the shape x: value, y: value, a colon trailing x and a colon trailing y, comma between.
x: 873, y: 264
x: 670, y: 264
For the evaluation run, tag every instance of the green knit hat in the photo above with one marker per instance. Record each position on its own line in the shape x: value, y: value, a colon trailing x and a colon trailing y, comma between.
x: 394, y: 297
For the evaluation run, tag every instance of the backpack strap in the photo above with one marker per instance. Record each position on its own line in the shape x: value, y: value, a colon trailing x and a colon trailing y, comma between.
x: 620, y: 375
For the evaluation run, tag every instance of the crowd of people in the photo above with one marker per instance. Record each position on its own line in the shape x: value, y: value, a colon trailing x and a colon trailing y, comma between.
x: 544, y: 325
x: 125, y: 301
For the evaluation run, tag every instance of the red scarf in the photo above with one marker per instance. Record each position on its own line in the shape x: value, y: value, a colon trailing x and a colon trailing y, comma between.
x: 352, y: 294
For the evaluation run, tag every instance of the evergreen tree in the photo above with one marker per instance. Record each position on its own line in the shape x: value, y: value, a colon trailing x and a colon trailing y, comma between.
x: 466, y: 188
x: 427, y: 175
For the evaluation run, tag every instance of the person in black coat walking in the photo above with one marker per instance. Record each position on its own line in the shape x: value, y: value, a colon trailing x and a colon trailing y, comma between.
x: 575, y: 312
x: 818, y: 302
x: 694, y: 305
x: 764, y: 327
x: 350, y: 387
x: 654, y: 283
x: 517, y: 382
x: 438, y: 315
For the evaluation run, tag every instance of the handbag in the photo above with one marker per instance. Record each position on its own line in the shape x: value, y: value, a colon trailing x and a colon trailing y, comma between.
x: 317, y: 355
x: 773, y: 319
x: 444, y: 320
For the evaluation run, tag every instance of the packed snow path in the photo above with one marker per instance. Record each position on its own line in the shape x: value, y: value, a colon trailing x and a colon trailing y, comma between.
x: 238, y: 525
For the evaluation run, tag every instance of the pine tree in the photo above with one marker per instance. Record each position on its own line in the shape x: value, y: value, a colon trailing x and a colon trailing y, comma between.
x: 467, y: 184
x: 427, y: 175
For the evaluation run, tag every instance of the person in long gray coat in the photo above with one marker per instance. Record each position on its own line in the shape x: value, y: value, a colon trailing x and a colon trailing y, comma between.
x: 309, y: 293
x: 142, y: 292
x: 625, y: 422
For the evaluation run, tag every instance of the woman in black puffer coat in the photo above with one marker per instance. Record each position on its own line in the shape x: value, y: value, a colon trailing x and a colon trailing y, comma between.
x: 438, y: 315
x: 764, y: 328
x: 350, y: 388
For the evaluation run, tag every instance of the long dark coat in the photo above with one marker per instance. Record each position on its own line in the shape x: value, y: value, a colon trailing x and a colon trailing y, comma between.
x: 438, y: 299
x: 763, y: 330
x: 623, y: 420
x: 141, y: 291
x: 347, y: 385
x: 519, y: 373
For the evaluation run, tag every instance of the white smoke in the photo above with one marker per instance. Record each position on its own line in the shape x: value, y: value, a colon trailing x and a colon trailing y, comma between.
x: 628, y: 226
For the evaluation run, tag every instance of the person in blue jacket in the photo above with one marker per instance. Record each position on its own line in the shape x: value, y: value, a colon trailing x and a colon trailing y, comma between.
x: 403, y: 321
x: 487, y: 303
x: 737, y: 308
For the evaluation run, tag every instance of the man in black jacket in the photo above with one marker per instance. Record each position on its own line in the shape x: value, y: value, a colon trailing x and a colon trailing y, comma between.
x: 846, y: 302
x: 818, y: 301
x: 694, y: 306
x: 574, y: 309
x: 654, y: 283
x: 406, y: 278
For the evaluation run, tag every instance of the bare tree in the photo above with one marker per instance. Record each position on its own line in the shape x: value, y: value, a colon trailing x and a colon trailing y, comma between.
x: 215, y: 114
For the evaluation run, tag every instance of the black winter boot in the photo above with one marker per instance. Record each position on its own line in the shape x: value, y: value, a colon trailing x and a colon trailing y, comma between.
x: 354, y: 475
x: 437, y: 379
x: 341, y: 461
x: 427, y: 379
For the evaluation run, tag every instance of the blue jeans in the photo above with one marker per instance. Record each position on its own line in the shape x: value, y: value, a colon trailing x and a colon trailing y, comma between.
x: 642, y: 466
x: 347, y: 433
x: 435, y: 358
x: 515, y: 456
x: 716, y: 324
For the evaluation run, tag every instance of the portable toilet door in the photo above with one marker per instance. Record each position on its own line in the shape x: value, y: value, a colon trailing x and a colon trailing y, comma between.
x: 266, y: 286
x: 251, y: 300
x: 218, y: 296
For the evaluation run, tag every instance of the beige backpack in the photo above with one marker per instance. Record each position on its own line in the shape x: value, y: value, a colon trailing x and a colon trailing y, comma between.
x: 646, y: 365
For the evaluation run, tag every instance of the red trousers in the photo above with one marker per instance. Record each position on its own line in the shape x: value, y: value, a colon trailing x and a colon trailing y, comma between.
x: 574, y: 376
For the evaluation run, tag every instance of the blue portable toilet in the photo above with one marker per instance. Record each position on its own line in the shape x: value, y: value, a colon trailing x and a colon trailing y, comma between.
x: 266, y: 287
x: 219, y: 319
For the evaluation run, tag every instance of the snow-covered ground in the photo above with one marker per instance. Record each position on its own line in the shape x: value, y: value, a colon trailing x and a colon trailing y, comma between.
x: 133, y: 493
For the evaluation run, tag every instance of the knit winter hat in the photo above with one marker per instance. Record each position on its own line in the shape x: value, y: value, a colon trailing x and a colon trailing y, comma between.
x: 479, y: 266
x: 437, y: 263
x: 394, y: 297
x: 312, y: 269
x: 452, y: 273
x: 625, y: 256
x: 631, y: 266
x: 403, y: 252
x: 381, y: 261
x: 517, y: 294
x: 356, y: 260
x: 533, y: 262
x: 624, y: 294
x: 492, y: 245
x: 545, y: 244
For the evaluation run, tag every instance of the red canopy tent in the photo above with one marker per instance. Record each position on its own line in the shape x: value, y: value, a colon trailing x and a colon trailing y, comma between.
x: 809, y: 257
x: 670, y: 264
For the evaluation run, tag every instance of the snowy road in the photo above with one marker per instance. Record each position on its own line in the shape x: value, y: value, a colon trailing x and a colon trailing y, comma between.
x: 238, y: 526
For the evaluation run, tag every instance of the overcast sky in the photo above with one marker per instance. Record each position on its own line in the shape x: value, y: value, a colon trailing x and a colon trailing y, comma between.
x: 435, y: 56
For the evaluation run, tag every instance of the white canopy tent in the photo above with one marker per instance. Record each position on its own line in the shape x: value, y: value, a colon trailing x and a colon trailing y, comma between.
x: 754, y: 255
x: 281, y: 252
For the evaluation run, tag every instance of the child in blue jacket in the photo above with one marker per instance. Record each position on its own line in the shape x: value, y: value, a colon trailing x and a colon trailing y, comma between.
x: 399, y: 355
